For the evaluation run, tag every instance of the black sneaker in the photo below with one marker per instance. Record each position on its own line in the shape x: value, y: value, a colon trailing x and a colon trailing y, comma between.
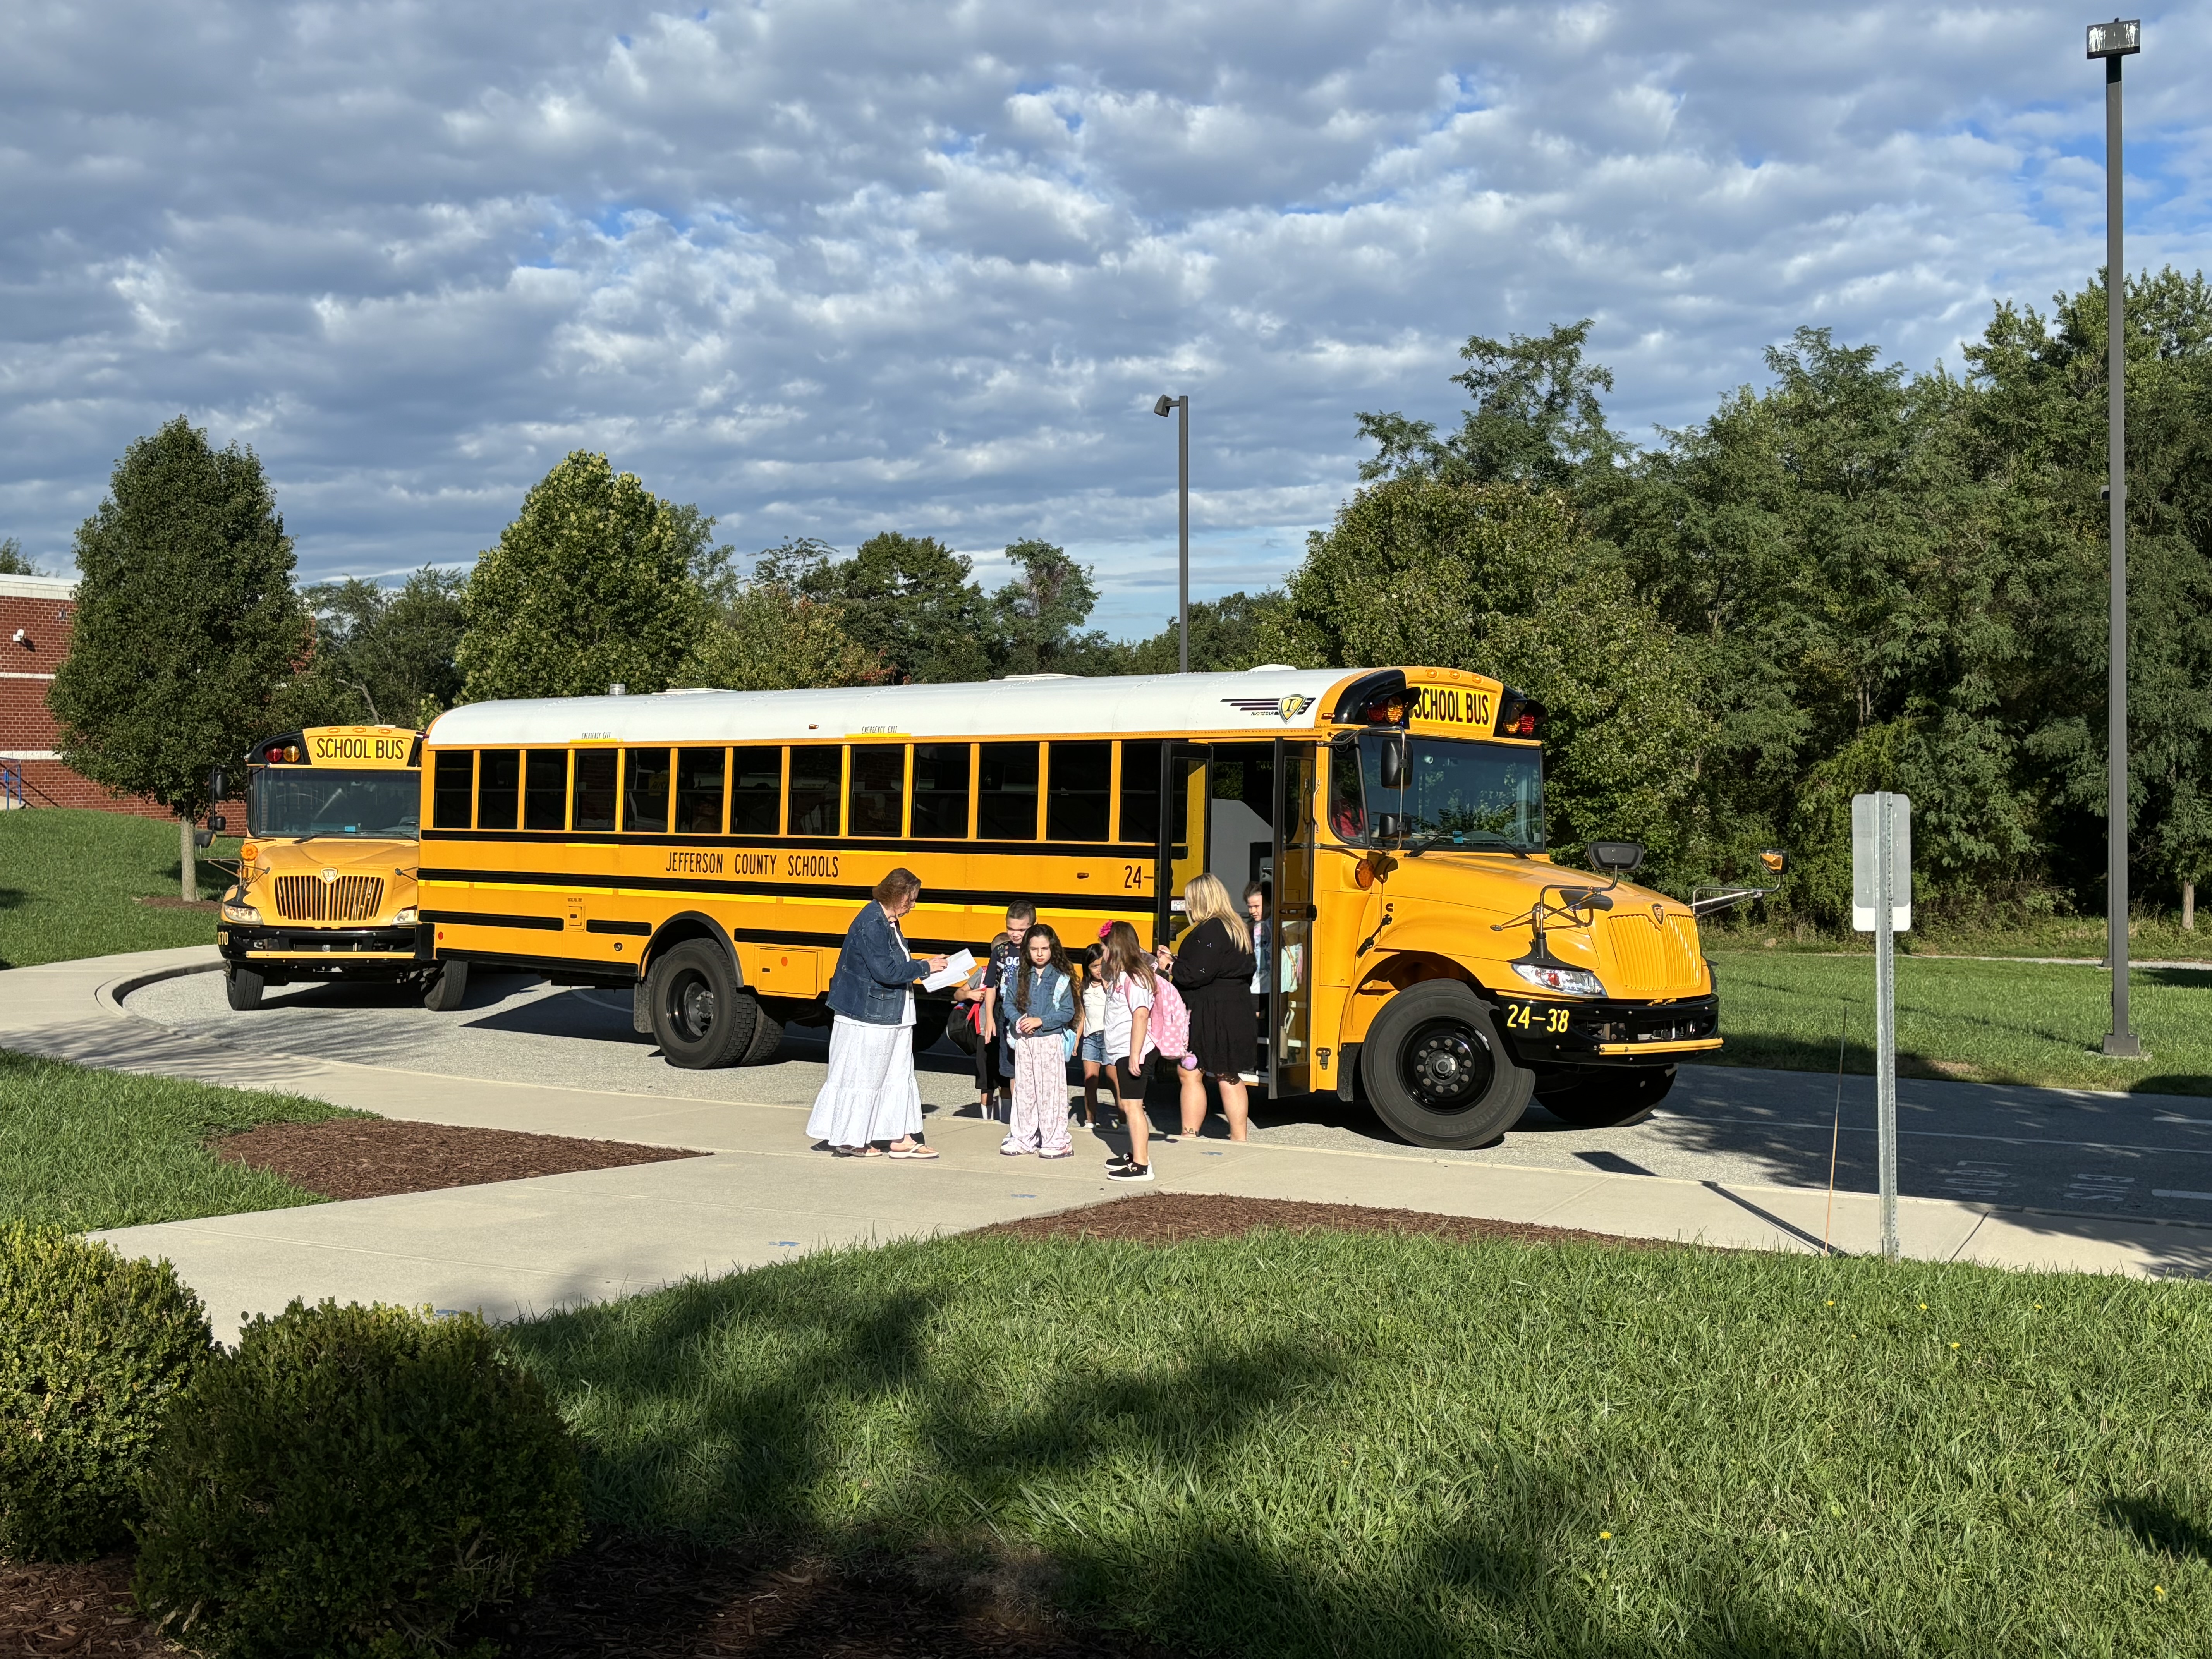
x: 1128, y: 1172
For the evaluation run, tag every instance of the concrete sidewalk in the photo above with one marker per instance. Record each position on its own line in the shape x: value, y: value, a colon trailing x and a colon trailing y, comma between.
x: 517, y: 1246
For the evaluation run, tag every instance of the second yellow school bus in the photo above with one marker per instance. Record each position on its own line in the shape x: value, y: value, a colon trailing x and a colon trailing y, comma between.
x: 708, y: 848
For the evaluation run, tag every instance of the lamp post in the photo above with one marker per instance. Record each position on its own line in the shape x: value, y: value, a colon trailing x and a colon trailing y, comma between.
x: 2113, y: 41
x: 1182, y: 407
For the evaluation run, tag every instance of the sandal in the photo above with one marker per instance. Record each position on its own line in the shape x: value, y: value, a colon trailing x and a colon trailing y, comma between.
x: 916, y: 1151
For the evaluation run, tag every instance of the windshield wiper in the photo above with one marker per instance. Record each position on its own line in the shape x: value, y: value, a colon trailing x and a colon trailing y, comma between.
x: 1440, y: 836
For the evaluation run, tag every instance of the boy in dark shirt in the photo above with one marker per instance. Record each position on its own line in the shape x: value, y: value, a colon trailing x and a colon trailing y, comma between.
x: 991, y: 1080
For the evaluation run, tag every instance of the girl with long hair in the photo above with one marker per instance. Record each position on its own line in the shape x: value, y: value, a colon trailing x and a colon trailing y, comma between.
x: 1213, y: 973
x: 1129, y: 986
x: 1038, y: 1001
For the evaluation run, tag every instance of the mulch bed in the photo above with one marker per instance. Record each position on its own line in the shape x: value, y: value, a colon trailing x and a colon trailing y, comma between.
x: 377, y: 1157
x: 628, y: 1597
x: 1178, y: 1218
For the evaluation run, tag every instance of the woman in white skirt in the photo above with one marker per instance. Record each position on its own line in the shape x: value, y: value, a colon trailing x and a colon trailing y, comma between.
x: 870, y: 1094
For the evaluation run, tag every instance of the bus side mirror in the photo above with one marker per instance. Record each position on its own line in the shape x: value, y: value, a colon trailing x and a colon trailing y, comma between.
x: 203, y: 837
x: 1394, y: 762
x: 1774, y: 862
x: 218, y: 785
x: 1390, y: 826
x: 1617, y: 857
x: 217, y: 824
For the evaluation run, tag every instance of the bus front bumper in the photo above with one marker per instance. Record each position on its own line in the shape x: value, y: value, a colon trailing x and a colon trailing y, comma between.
x: 1541, y: 1032
x: 296, y: 951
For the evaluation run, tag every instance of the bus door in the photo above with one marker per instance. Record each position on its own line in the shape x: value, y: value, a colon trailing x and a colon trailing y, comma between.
x: 1186, y: 786
x: 1290, y: 921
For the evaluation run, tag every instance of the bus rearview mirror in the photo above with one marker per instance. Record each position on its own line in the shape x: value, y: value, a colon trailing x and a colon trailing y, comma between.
x: 1393, y: 764
x: 218, y: 785
x: 1618, y: 856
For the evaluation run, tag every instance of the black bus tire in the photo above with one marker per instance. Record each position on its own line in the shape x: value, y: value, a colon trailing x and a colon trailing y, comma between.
x: 1436, y: 1070
x: 447, y: 988
x: 768, y: 1034
x: 243, y: 987
x: 1611, y: 1099
x: 701, y: 1019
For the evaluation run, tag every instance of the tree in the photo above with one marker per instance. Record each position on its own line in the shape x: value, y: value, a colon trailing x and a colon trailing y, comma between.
x: 1234, y: 632
x: 1506, y: 581
x: 12, y: 561
x: 598, y: 582
x: 907, y: 599
x: 385, y: 655
x: 186, y: 623
x: 1038, y: 617
x: 767, y: 636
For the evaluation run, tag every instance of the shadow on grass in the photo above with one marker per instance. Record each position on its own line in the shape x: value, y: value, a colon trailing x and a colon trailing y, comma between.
x: 757, y: 1412
x: 2161, y: 1526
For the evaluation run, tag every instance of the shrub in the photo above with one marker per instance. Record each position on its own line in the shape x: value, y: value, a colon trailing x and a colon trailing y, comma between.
x: 353, y: 1480
x: 93, y: 1347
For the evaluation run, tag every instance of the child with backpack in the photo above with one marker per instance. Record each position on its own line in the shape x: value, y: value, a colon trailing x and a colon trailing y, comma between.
x: 1092, y: 1045
x: 1037, y: 998
x: 1143, y: 1016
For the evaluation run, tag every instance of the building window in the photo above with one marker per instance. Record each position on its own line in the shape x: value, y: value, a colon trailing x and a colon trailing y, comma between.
x: 941, y: 791
x: 699, y: 791
x: 452, y: 782
x: 594, y: 807
x: 879, y: 790
x: 1080, y: 793
x: 1006, y: 793
x: 816, y: 786
x: 545, y: 789
x: 499, y: 788
x: 756, y: 793
x: 1140, y: 792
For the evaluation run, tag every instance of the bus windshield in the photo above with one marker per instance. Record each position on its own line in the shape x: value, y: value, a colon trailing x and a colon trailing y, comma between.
x: 1458, y: 794
x: 318, y: 801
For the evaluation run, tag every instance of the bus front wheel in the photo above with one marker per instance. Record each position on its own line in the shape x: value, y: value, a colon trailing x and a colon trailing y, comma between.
x: 701, y: 1019
x: 244, y: 987
x: 1436, y: 1070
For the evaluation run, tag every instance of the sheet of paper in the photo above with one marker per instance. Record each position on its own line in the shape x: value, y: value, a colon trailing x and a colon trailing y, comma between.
x: 955, y: 968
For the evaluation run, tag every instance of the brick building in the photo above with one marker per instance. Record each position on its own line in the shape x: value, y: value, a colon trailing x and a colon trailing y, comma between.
x: 35, y: 616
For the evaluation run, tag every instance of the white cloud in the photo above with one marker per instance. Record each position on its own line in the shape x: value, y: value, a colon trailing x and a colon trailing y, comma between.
x: 828, y: 268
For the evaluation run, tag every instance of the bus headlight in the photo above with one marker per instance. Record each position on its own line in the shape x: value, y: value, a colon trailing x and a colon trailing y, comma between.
x: 244, y: 915
x: 404, y: 918
x: 1568, y: 982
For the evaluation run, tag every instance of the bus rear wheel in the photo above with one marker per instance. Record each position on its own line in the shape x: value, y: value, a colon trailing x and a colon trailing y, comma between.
x: 244, y: 987
x: 1436, y: 1071
x: 447, y: 987
x: 701, y: 1019
x: 1609, y: 1099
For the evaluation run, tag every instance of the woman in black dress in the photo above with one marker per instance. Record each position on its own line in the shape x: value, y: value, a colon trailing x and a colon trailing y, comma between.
x: 1213, y: 972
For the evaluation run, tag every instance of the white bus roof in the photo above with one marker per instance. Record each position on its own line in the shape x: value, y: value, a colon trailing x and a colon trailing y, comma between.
x: 1265, y: 700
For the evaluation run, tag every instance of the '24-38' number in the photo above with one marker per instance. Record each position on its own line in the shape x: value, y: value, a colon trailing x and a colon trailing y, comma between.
x: 1527, y: 1017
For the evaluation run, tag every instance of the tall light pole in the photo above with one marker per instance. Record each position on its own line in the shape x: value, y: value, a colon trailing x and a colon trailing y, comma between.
x: 2113, y: 41
x: 1182, y: 406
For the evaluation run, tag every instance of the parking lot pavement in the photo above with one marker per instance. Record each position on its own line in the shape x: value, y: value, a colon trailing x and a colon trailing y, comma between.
x: 1738, y: 1159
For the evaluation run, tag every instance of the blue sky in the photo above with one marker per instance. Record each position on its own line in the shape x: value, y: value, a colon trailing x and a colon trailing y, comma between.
x: 829, y: 268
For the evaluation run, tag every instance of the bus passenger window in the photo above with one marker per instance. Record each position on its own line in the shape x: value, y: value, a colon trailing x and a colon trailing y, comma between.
x: 645, y: 790
x: 1140, y: 792
x: 879, y: 790
x: 756, y: 793
x: 941, y: 791
x: 699, y: 792
x: 499, y: 788
x: 1079, y: 793
x: 545, y: 789
x: 453, y: 781
x: 1347, y: 809
x: 814, y: 786
x: 595, y: 790
x: 1006, y: 793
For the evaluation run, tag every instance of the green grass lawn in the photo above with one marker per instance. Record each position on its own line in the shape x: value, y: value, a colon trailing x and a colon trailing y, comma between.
x: 1328, y: 1444
x: 84, y: 1149
x: 2151, y: 937
x: 1993, y: 1022
x: 69, y: 881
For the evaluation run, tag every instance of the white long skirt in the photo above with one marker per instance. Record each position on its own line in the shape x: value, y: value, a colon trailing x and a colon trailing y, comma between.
x: 870, y: 1093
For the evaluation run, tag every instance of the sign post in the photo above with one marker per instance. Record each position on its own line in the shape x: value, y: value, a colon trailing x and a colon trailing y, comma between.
x: 1881, y: 904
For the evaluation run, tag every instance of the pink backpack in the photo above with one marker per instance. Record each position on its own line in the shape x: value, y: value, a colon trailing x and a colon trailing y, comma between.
x: 1170, y: 1022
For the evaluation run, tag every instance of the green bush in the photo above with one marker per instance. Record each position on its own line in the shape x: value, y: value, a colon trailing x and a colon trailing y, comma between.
x: 93, y: 1347
x: 353, y: 1481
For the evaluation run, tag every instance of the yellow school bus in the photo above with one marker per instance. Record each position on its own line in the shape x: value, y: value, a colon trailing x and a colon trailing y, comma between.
x: 326, y: 873
x: 708, y: 849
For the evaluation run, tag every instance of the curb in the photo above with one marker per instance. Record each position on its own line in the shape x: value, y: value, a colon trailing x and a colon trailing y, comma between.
x: 109, y: 996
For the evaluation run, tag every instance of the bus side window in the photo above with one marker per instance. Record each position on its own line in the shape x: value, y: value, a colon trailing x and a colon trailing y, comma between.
x: 645, y: 790
x: 1141, y: 791
x: 453, y: 781
x: 545, y: 789
x: 1006, y: 793
x: 1079, y: 792
x: 815, y: 785
x: 941, y: 791
x: 594, y: 807
x: 499, y: 788
x: 879, y: 790
x: 699, y: 791
x: 757, y: 791
x: 1347, y: 814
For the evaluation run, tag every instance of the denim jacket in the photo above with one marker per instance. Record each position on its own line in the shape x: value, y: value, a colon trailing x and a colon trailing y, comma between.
x: 1051, y: 1000
x: 874, y: 971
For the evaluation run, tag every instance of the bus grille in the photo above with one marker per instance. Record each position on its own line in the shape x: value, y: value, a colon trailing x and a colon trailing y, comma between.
x: 309, y: 898
x: 1653, y: 959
